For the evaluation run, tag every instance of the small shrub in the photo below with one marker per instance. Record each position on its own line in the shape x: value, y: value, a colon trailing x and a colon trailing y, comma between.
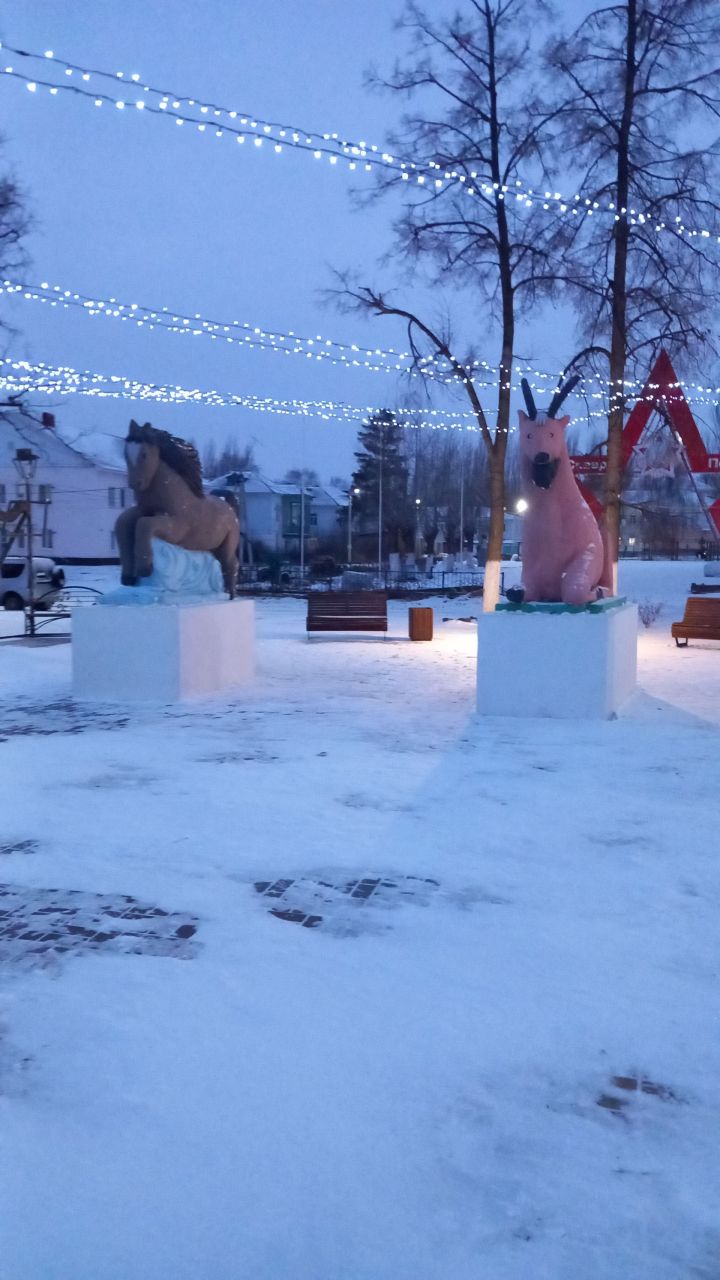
x: 649, y: 612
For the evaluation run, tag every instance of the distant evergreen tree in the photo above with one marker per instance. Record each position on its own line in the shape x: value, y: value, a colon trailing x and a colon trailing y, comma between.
x: 381, y: 464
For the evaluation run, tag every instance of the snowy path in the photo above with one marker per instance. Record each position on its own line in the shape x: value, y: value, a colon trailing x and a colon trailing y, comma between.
x: 409, y: 1091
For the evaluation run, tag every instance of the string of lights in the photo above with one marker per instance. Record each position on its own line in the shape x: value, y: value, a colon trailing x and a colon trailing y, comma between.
x: 20, y: 377
x: 349, y: 355
x: 241, y: 333
x: 363, y: 155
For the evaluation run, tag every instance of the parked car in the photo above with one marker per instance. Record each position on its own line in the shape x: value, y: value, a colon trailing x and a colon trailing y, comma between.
x: 48, y: 582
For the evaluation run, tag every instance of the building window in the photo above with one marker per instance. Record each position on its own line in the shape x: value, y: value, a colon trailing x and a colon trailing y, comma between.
x: 3, y: 495
x: 113, y: 541
x: 116, y: 497
x: 45, y: 493
x: 48, y: 539
x: 313, y: 517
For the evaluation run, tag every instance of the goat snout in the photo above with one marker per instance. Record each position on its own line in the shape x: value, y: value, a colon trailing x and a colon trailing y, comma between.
x: 541, y: 458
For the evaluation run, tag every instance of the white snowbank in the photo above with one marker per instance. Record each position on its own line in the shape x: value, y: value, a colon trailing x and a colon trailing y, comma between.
x: 411, y: 1098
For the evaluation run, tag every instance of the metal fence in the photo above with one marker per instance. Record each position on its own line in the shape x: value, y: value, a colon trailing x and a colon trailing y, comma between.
x: 292, y: 582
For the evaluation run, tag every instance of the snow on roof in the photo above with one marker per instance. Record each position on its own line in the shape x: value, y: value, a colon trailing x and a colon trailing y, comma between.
x: 101, y: 448
x: 321, y: 495
x: 90, y: 449
x: 20, y: 432
x: 337, y: 496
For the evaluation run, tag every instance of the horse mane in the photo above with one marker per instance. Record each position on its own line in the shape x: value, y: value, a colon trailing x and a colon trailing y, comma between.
x: 181, y: 456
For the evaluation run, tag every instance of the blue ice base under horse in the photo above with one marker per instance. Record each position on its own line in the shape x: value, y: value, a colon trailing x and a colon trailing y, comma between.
x: 557, y: 606
x: 178, y: 577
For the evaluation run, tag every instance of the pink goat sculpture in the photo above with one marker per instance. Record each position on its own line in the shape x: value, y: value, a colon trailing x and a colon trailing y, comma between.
x: 562, y: 548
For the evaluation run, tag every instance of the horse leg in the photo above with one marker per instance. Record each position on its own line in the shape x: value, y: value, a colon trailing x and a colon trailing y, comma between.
x: 227, y: 554
x: 170, y: 528
x: 125, y: 527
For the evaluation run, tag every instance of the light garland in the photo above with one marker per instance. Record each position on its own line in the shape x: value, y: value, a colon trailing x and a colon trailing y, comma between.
x: 241, y: 333
x: 19, y: 377
x: 358, y: 155
x: 318, y: 348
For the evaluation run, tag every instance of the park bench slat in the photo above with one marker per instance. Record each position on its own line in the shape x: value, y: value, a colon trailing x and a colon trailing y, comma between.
x: 701, y: 621
x: 347, y: 611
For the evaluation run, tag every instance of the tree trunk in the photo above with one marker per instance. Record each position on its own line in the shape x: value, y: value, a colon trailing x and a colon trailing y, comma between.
x: 491, y: 589
x: 618, y: 341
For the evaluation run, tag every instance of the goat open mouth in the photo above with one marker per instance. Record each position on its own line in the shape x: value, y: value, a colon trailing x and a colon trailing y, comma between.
x: 543, y: 473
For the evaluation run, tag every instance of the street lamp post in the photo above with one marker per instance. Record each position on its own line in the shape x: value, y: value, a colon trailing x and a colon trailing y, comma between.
x: 302, y: 528
x: 418, y: 503
x: 356, y: 492
x: 462, y: 501
x: 25, y: 464
x: 380, y: 506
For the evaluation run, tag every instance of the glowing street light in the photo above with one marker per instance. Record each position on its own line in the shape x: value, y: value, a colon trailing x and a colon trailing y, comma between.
x: 521, y: 506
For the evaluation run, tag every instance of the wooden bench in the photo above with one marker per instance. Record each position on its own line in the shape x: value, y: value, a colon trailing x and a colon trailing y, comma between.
x: 347, y: 611
x: 701, y: 621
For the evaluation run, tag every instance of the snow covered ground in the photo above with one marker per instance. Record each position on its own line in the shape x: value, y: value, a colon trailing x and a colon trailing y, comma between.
x: 435, y: 1082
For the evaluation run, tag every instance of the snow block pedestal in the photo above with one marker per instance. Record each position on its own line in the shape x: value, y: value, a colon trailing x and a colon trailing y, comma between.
x: 162, y: 652
x: 569, y: 665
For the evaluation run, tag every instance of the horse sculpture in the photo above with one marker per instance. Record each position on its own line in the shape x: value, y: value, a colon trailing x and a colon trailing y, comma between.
x: 562, y: 548
x: 165, y: 475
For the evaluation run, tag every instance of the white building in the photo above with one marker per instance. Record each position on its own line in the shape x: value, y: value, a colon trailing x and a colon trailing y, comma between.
x: 78, y: 491
x: 270, y: 510
x: 76, y: 499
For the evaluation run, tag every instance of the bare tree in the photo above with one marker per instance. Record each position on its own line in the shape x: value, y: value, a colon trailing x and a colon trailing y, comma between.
x: 477, y: 126
x: 15, y: 223
x: 640, y: 88
x: 305, y: 476
x: 233, y: 456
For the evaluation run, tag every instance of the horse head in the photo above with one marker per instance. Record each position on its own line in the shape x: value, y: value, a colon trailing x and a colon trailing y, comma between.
x: 142, y: 456
x: 146, y: 447
x: 542, y: 436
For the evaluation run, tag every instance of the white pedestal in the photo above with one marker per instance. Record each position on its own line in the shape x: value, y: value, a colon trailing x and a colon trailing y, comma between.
x: 162, y: 652
x: 564, y: 665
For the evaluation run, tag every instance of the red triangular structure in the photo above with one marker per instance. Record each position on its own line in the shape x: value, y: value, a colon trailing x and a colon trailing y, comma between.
x: 662, y: 385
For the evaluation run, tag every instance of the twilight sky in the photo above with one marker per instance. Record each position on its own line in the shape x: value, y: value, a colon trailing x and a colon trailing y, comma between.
x: 128, y: 205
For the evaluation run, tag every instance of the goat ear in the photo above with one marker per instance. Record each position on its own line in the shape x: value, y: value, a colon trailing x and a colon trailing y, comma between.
x: 524, y: 420
x: 563, y: 422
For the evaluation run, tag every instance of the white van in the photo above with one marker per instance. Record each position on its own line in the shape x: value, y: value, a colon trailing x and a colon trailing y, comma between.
x: 49, y: 581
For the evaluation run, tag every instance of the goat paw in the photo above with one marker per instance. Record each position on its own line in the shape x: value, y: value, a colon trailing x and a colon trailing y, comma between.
x: 515, y: 595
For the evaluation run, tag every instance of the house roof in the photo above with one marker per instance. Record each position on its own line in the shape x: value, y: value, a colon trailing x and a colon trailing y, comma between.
x: 321, y: 495
x: 20, y: 432
x: 101, y: 449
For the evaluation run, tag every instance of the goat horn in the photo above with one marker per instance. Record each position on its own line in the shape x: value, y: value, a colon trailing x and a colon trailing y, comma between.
x: 529, y: 402
x: 562, y: 393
